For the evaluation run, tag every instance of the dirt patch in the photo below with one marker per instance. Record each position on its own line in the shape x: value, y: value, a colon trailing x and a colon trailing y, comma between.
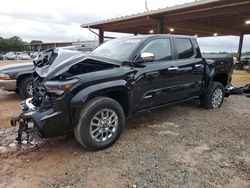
x: 9, y: 106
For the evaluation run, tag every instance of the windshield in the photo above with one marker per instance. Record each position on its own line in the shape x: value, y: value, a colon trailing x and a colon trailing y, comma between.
x: 119, y: 49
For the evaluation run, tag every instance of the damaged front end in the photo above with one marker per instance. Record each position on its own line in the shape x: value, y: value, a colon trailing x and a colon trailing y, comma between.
x: 24, y: 122
x: 56, y: 79
x: 42, y: 114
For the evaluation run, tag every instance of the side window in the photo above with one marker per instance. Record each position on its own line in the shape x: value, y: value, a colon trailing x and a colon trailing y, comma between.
x: 184, y: 48
x: 161, y: 48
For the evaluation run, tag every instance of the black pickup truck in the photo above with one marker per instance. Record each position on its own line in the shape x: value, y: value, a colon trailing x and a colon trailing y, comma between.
x: 92, y: 94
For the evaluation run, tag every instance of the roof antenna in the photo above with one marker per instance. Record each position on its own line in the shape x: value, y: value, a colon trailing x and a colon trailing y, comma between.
x: 146, y: 5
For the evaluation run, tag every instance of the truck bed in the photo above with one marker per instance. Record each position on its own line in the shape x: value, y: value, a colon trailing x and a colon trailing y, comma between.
x: 222, y: 62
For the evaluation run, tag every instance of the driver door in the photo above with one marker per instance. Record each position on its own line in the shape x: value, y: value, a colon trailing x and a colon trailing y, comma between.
x: 151, y: 79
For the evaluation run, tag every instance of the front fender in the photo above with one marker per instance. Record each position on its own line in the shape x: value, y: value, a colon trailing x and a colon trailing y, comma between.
x: 24, y: 72
x: 90, y: 92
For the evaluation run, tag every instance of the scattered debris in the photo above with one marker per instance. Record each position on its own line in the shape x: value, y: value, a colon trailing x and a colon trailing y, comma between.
x: 239, y: 90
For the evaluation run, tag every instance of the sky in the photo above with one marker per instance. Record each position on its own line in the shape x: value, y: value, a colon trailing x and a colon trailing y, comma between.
x: 60, y: 20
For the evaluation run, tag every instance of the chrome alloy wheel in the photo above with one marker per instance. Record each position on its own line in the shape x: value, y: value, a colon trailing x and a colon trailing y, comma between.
x: 217, y: 98
x: 103, y: 125
x: 30, y: 89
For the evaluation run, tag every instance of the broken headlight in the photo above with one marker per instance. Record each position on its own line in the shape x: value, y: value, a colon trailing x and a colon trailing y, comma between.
x: 59, y: 87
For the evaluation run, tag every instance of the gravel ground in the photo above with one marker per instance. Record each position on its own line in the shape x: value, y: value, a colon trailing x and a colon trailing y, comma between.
x: 181, y: 145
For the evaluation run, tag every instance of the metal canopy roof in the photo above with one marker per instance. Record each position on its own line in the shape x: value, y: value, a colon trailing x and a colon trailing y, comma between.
x: 202, y: 18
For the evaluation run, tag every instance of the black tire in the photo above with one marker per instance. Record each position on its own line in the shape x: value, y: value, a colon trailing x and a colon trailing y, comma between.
x: 17, y: 91
x: 206, y: 100
x: 23, y: 87
x: 82, y: 131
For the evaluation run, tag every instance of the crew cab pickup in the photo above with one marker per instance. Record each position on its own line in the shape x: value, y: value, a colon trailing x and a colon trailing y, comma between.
x: 92, y: 94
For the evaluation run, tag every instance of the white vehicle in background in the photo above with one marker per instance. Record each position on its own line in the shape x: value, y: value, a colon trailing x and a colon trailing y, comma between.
x: 24, y: 56
x: 10, y: 56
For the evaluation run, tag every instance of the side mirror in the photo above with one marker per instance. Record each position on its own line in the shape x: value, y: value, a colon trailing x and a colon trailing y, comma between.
x: 147, y: 57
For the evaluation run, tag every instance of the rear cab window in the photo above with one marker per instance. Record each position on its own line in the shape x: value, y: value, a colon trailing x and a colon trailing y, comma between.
x: 184, y: 48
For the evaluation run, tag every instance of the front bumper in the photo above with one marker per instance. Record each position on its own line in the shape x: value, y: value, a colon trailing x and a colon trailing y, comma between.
x: 50, y: 122
x: 8, y: 85
x: 53, y: 117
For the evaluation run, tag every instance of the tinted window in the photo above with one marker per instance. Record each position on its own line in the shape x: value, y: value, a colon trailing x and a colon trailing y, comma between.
x: 184, y: 48
x: 161, y: 48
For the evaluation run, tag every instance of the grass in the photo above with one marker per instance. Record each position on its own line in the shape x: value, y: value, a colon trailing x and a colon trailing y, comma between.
x: 241, y: 78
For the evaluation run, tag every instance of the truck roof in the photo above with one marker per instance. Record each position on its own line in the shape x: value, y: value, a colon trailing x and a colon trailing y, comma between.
x: 157, y: 35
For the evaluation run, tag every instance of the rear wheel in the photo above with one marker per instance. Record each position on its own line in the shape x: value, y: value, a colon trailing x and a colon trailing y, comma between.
x: 26, y: 87
x: 214, y: 96
x: 101, y: 122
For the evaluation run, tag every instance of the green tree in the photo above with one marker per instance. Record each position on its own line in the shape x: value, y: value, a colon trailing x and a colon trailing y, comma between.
x: 14, y: 43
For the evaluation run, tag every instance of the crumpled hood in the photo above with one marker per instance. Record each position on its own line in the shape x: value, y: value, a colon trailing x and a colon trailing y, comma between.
x: 66, y: 59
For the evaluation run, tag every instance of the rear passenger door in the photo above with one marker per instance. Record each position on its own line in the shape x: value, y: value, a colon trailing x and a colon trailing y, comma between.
x: 189, y: 68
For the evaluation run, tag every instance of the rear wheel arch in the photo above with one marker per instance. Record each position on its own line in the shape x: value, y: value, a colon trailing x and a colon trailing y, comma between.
x: 212, y: 77
x: 222, y: 78
x: 207, y: 99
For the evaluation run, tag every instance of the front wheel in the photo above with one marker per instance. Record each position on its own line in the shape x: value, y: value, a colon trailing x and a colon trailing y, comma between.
x: 214, y: 96
x: 26, y: 87
x: 101, y: 122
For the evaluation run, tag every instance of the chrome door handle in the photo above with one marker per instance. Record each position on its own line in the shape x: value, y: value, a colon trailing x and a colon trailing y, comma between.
x: 198, y: 65
x: 173, y: 68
